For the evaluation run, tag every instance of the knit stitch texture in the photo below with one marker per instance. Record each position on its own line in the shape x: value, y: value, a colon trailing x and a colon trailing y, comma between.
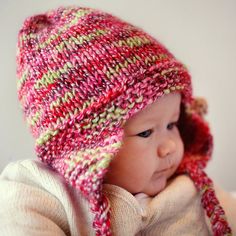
x: 82, y: 73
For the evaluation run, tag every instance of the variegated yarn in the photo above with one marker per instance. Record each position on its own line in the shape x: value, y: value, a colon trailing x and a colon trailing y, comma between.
x: 81, y: 74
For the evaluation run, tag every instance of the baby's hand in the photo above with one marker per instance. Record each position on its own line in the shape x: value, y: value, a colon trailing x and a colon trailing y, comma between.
x: 143, y: 199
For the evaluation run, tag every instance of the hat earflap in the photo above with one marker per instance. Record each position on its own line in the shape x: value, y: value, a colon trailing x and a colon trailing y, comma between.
x: 198, y: 144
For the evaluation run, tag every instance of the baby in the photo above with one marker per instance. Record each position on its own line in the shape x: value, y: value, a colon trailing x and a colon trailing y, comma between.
x: 152, y: 148
x: 121, y: 141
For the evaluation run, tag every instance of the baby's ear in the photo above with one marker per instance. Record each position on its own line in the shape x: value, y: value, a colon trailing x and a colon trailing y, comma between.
x: 198, y: 105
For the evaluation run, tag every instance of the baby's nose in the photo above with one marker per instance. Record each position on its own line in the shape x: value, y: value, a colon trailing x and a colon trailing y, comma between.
x: 167, y: 147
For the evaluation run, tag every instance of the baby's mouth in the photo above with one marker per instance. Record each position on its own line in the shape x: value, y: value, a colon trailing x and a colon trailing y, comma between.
x: 163, y: 171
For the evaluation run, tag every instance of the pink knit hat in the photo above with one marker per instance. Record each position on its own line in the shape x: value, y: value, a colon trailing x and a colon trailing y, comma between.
x: 81, y: 74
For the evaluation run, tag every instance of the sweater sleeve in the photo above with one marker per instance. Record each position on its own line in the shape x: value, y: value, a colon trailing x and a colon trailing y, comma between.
x: 26, y: 208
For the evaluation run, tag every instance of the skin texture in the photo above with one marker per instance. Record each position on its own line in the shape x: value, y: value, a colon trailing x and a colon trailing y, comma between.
x: 152, y: 148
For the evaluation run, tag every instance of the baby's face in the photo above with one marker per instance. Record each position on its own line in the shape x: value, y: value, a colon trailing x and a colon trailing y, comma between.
x: 152, y: 148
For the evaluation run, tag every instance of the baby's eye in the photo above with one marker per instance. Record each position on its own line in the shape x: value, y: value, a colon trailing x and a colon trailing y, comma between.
x: 172, y: 125
x: 145, y: 134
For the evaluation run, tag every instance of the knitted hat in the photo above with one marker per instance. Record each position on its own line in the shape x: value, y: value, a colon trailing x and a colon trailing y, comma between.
x: 82, y: 73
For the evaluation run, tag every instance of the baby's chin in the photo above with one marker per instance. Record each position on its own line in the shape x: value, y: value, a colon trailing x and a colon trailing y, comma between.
x: 156, y: 187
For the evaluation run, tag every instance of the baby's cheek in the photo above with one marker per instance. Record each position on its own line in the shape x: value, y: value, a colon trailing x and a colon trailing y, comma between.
x: 181, y: 154
x: 180, y: 146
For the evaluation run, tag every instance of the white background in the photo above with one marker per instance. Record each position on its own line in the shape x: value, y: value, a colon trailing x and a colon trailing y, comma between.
x: 202, y: 34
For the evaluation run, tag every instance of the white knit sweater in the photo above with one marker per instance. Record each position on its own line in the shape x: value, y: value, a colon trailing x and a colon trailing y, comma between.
x: 34, y: 201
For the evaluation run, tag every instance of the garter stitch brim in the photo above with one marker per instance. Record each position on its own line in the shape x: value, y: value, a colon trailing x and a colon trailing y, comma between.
x: 82, y: 73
